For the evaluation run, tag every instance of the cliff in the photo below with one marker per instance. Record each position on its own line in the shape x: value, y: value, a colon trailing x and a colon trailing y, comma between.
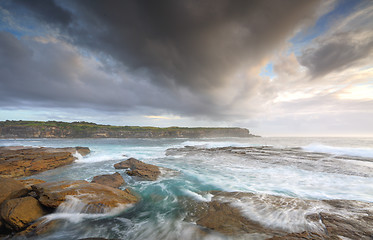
x: 53, y: 129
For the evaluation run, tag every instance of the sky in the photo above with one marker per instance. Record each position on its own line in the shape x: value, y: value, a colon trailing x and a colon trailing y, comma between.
x: 276, y: 67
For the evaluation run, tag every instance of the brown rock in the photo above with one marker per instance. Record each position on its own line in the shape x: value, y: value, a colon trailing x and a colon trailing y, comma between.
x: 98, y: 198
x: 95, y: 239
x: 83, y: 150
x: 303, y: 236
x: 29, y: 182
x: 352, y: 228
x: 26, y: 161
x: 112, y: 180
x: 331, y: 220
x: 38, y: 228
x: 228, y: 220
x: 10, y: 188
x: 139, y: 169
x: 18, y: 213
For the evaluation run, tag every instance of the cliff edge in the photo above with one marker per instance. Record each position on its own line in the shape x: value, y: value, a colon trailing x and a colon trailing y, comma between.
x: 54, y: 129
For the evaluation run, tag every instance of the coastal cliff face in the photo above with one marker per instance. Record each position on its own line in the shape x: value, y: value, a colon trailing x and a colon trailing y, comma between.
x: 23, y: 129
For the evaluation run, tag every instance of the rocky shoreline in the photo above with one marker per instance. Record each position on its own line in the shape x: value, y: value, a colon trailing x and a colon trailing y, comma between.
x: 53, y: 129
x: 26, y: 205
x: 26, y: 161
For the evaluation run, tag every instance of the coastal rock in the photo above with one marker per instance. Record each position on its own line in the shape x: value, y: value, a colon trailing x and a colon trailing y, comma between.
x: 224, y: 218
x: 96, y: 197
x: 304, y: 236
x: 38, y: 228
x: 10, y: 188
x: 112, y: 180
x: 96, y: 239
x: 21, y: 161
x: 84, y: 151
x: 18, y: 213
x: 29, y: 182
x: 239, y: 213
x: 139, y: 169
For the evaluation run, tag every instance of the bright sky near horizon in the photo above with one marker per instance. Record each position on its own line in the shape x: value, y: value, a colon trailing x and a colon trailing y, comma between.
x: 279, y: 68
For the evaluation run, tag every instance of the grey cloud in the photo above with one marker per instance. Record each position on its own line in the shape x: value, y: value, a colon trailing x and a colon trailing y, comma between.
x: 336, y: 53
x: 348, y: 43
x: 53, y: 74
x: 181, y: 56
x: 47, y: 11
x: 193, y: 44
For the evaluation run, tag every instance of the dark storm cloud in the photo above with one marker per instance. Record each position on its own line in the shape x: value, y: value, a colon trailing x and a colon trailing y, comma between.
x: 176, y: 56
x: 196, y: 44
x: 46, y: 11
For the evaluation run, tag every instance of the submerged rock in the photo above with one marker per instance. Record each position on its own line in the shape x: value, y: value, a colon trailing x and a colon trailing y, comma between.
x: 97, y: 198
x: 10, y: 188
x: 26, y: 161
x: 112, y: 180
x: 18, y: 213
x: 139, y: 169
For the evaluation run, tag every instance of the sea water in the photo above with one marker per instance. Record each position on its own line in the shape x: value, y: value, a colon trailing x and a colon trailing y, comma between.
x: 301, y: 168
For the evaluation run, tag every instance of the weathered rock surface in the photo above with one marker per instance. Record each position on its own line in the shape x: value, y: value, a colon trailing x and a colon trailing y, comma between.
x: 18, y: 213
x: 98, y: 198
x: 38, y: 228
x: 29, y: 182
x: 305, y: 236
x: 139, y: 169
x: 10, y: 188
x: 238, y: 213
x: 112, y: 180
x: 26, y: 161
x: 229, y: 220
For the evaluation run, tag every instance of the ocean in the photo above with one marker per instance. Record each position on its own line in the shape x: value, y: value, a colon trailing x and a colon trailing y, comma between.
x: 301, y: 168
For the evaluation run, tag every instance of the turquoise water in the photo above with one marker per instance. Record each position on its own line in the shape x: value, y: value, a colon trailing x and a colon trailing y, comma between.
x: 289, y: 168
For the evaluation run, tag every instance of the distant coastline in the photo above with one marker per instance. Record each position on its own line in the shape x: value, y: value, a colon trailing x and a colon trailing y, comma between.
x: 55, y: 129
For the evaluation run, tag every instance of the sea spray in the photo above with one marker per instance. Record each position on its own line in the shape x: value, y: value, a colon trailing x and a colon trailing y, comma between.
x: 285, y: 169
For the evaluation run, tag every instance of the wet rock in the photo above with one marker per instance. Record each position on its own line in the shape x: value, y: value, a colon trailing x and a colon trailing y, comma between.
x: 304, y: 236
x: 18, y: 213
x: 29, y: 182
x: 10, y: 188
x: 97, y: 198
x: 39, y: 228
x: 355, y: 228
x: 84, y: 151
x: 112, y: 180
x: 96, y: 239
x: 239, y: 213
x: 228, y: 220
x: 21, y: 161
x: 139, y: 169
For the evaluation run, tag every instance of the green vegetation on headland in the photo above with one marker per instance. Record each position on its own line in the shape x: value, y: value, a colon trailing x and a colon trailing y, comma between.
x: 55, y: 129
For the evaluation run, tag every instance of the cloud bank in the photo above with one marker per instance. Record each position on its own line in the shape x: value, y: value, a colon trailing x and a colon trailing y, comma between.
x: 196, y: 59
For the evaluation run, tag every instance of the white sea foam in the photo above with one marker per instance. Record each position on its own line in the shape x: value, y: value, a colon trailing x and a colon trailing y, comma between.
x: 74, y: 210
x: 78, y: 156
x: 214, y: 144
x: 198, y: 197
x: 97, y: 157
x: 359, y: 152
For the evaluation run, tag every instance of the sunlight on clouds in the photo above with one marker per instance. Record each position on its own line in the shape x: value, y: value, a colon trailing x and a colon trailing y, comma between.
x: 162, y: 117
x: 361, y: 92
x: 291, y: 96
